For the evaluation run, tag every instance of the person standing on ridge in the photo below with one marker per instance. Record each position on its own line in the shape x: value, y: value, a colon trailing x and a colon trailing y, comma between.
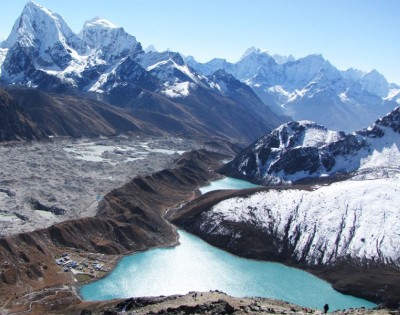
x: 326, y: 308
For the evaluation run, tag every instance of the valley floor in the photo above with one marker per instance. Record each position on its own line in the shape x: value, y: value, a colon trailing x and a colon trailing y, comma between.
x: 42, y: 183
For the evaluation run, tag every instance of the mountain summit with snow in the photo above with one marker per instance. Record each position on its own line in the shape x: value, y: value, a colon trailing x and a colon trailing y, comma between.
x: 108, y: 41
x: 301, y: 150
x: 47, y: 35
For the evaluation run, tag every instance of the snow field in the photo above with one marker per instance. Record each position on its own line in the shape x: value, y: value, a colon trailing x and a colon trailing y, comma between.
x: 356, y: 218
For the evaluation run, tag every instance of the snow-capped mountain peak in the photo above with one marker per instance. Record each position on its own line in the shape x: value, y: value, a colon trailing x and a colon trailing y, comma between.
x: 107, y: 40
x: 41, y: 28
x: 303, y: 149
x: 283, y: 59
x: 253, y: 51
x: 375, y: 83
x: 150, y: 48
x: 311, y: 88
x: 98, y: 21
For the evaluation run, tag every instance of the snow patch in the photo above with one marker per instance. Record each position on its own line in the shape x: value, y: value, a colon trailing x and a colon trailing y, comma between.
x: 178, y: 90
x: 3, y: 54
x: 316, y: 137
x: 97, y: 21
x: 97, y: 86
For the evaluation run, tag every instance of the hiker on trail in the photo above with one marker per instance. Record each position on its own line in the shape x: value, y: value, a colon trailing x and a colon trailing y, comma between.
x: 326, y: 308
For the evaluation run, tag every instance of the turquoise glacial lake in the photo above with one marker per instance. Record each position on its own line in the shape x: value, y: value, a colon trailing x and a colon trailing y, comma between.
x: 195, y: 265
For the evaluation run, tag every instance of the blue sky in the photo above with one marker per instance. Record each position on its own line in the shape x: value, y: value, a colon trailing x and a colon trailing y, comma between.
x: 364, y: 34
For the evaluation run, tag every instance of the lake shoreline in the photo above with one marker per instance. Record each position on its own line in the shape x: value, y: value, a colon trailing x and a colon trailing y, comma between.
x: 236, y: 276
x: 348, y: 277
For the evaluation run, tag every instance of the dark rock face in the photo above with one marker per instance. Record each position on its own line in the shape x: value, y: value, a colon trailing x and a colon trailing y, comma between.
x: 391, y: 120
x: 27, y: 114
x: 307, y: 160
x: 13, y: 124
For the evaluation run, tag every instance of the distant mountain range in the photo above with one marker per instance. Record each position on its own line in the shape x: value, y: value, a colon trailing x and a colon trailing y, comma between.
x: 239, y: 101
x: 105, y: 63
x: 310, y: 88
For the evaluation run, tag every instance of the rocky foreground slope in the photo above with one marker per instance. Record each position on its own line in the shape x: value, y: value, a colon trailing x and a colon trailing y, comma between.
x: 213, y: 302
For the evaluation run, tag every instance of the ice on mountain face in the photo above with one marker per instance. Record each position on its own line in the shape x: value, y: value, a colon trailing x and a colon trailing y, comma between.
x: 283, y: 59
x: 209, y: 68
x: 40, y: 47
x: 352, y: 74
x: 3, y: 54
x: 351, y: 218
x: 394, y: 95
x: 177, y: 90
x: 150, y: 48
x: 99, y: 22
x: 253, y: 50
x: 303, y: 71
x: 375, y: 83
x: 170, y: 68
x: 253, y: 63
x: 98, y: 85
x: 315, y: 136
x: 151, y: 60
x: 46, y: 32
x: 108, y: 41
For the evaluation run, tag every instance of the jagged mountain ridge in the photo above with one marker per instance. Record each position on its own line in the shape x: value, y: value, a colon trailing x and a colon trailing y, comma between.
x: 106, y: 63
x: 310, y: 88
x: 302, y: 149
